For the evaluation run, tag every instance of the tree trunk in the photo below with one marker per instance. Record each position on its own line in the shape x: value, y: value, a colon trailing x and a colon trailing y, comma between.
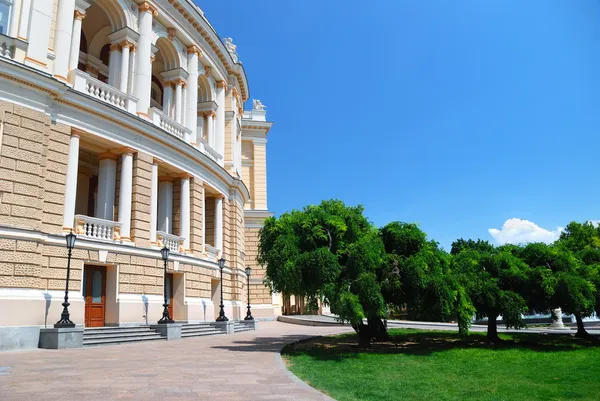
x: 581, y: 333
x: 492, y: 329
x: 364, y: 335
x: 378, y: 329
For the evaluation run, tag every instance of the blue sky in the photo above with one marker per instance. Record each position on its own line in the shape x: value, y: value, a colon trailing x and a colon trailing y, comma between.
x: 456, y: 115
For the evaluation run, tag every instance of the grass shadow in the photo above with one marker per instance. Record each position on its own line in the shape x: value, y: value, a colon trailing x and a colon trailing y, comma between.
x: 419, y: 342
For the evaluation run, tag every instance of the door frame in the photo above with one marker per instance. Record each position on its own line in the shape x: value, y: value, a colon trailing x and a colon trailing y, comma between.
x: 88, y: 291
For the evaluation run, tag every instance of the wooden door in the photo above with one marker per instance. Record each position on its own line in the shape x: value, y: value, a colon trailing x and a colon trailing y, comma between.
x: 170, y: 294
x: 95, y: 295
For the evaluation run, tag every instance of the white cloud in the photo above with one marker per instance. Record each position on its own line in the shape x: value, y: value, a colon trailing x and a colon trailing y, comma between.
x: 518, y: 231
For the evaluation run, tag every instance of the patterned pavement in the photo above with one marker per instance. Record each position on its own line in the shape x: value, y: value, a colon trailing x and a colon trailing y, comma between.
x: 244, y: 366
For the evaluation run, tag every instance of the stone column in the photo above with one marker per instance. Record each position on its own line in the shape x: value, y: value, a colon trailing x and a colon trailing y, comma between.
x: 71, y: 183
x: 199, y: 128
x: 107, y: 178
x: 178, y: 99
x: 125, y: 193
x: 14, y: 19
x: 219, y: 223
x: 192, y: 91
x: 62, y: 38
x: 76, y: 40
x: 184, y: 211
x: 131, y: 87
x: 114, y: 63
x: 168, y: 99
x: 165, y: 205
x: 143, y: 67
x: 125, y: 46
x: 154, y: 202
x: 220, y: 120
x: 210, y: 129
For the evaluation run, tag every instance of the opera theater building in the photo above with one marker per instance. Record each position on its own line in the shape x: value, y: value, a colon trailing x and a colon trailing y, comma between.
x: 123, y: 123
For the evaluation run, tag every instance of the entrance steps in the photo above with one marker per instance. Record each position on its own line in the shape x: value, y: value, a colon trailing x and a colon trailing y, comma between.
x: 243, y: 325
x: 201, y: 329
x: 118, y: 335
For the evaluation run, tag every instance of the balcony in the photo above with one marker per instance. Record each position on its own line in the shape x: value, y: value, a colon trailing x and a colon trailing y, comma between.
x: 208, y: 151
x: 85, y: 83
x: 173, y: 242
x: 212, y: 253
x: 97, y: 229
x: 165, y: 122
x: 9, y: 46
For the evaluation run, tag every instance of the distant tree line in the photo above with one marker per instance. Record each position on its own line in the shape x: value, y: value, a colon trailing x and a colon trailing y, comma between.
x: 331, y: 253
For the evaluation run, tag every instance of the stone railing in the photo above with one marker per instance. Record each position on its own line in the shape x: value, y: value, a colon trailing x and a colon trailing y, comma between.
x: 173, y: 242
x: 165, y: 122
x: 208, y: 151
x: 97, y: 229
x: 211, y: 252
x: 85, y: 83
x: 9, y: 46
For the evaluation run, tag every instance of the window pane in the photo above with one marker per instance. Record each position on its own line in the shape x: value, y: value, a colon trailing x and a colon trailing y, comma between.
x: 97, y: 287
x: 4, y: 11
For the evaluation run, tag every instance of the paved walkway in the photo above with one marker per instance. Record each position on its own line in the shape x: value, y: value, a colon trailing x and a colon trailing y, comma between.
x: 242, y: 366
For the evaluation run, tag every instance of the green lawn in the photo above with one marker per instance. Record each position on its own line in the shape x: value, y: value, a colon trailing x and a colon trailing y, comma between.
x: 433, y: 365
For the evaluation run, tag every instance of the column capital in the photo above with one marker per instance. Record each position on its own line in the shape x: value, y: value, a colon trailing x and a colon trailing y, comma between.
x: 108, y: 155
x: 78, y: 15
x: 222, y: 84
x: 185, y: 175
x: 115, y: 47
x: 194, y: 50
x: 127, y: 150
x: 157, y: 161
x: 125, y: 44
x: 147, y: 7
x: 179, y: 81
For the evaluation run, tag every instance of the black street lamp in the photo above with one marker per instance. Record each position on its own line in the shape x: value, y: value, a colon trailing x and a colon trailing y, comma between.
x: 222, y: 317
x: 248, y: 273
x: 165, y: 317
x: 65, y: 317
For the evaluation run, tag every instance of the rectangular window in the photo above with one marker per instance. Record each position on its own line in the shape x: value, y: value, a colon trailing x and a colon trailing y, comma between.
x: 5, y: 7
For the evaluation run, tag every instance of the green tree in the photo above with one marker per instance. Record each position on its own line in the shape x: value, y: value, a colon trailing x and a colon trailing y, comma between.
x: 492, y: 280
x: 418, y: 275
x: 329, y: 252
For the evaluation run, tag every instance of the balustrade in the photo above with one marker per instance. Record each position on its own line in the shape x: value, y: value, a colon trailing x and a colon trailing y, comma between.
x: 173, y: 242
x: 97, y: 229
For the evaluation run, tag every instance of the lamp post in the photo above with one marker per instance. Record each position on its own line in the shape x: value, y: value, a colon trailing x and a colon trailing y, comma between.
x: 65, y: 317
x: 248, y: 273
x: 222, y: 317
x: 166, y: 319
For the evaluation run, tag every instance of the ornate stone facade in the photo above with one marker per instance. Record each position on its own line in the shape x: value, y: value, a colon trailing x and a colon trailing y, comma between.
x: 128, y: 130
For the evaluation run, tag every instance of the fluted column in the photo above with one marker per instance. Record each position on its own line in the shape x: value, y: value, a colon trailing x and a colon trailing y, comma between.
x: 114, y: 64
x: 125, y: 193
x: 178, y: 99
x: 154, y: 202
x: 62, y: 38
x: 165, y: 205
x: 107, y: 179
x: 71, y: 182
x: 192, y: 92
x: 168, y: 99
x: 24, y: 15
x: 210, y: 129
x: 143, y: 67
x: 220, y: 120
x: 219, y: 223
x: 14, y: 19
x: 124, y: 78
x: 75, y: 40
x: 184, y: 211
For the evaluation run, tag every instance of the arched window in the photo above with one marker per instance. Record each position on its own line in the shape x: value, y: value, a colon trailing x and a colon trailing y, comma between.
x: 156, y: 92
x: 105, y: 54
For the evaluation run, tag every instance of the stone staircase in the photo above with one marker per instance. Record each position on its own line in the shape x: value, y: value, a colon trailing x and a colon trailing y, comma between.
x: 243, y: 325
x: 201, y: 329
x: 93, y: 336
